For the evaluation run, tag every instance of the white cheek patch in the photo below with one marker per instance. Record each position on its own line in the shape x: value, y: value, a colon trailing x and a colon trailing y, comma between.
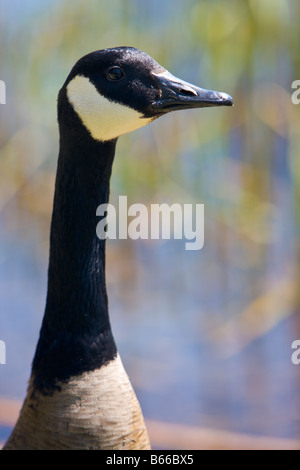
x: 103, y: 118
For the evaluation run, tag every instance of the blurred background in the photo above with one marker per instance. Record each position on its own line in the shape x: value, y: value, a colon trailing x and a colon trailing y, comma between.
x: 205, y: 336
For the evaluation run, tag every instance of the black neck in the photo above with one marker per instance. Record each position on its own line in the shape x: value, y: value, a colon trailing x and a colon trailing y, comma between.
x: 76, y: 334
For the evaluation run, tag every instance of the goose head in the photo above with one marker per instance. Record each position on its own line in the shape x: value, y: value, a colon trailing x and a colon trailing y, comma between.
x: 115, y: 91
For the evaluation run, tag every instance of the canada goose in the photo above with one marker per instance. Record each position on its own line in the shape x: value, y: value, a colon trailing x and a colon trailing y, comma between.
x: 79, y: 396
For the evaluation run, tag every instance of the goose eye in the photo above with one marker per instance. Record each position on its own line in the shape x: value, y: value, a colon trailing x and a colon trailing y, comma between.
x: 115, y: 73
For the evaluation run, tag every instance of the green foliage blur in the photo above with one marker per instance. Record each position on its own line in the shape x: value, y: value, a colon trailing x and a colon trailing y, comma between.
x: 232, y: 160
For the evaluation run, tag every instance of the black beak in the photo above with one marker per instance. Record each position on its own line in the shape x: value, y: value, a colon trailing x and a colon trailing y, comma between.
x: 178, y: 94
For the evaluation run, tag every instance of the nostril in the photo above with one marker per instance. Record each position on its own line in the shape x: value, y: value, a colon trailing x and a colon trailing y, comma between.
x: 178, y: 89
x: 187, y: 91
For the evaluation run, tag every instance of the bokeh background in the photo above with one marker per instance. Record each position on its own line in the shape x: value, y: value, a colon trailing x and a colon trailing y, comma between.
x: 205, y: 335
